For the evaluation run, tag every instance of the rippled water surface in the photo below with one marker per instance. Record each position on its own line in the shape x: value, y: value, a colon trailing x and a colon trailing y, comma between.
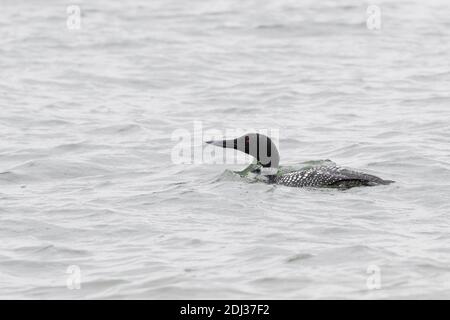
x: 87, y: 172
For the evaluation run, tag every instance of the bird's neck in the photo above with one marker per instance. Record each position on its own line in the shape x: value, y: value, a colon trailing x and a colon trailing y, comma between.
x: 266, y: 155
x: 270, y: 166
x: 270, y: 160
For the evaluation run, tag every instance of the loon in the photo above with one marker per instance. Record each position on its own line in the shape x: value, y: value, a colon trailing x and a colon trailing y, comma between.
x: 266, y: 154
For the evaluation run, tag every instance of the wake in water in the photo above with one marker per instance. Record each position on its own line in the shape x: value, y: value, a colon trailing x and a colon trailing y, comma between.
x: 252, y: 173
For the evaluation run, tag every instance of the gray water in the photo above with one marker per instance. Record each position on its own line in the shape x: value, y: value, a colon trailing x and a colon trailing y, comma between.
x: 88, y: 182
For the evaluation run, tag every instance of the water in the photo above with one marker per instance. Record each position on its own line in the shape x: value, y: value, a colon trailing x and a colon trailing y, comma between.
x: 89, y: 190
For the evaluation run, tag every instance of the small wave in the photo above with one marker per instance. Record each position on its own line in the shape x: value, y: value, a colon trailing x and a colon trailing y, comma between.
x: 299, y: 257
x: 77, y: 147
x: 45, y: 169
x: 118, y: 129
x: 50, y: 250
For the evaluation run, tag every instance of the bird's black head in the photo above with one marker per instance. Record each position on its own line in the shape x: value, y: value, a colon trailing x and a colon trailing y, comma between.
x: 257, y: 145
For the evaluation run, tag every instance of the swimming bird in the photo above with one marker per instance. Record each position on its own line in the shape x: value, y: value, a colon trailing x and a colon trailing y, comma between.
x: 266, y: 154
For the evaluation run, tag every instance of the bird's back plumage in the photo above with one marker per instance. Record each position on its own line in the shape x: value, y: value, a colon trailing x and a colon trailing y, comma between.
x: 328, y: 176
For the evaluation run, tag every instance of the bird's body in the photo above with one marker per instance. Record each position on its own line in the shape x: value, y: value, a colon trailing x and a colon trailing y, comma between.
x: 319, y: 176
x: 328, y: 176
